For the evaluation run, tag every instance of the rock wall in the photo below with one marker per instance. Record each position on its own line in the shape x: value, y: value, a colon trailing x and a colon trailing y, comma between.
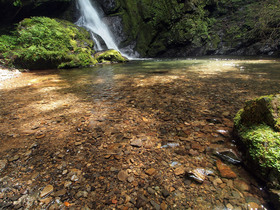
x: 179, y: 28
x: 174, y: 28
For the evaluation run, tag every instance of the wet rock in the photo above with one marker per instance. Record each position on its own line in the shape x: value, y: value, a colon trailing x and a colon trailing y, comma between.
x: 199, y: 174
x: 150, y: 171
x: 241, y: 185
x: 67, y: 184
x: 130, y: 179
x: 170, y: 144
x: 122, y: 175
x: 137, y: 143
x: 14, y: 158
x: 74, y: 178
x: 193, y: 152
x: 225, y: 170
x: 3, y: 164
x: 47, y: 190
x: 151, y: 191
x: 155, y: 205
x: 228, y: 155
x: 165, y: 193
x: 163, y: 206
x: 275, y: 197
x: 60, y: 193
x: 252, y: 205
x: 179, y: 171
x: 46, y: 201
x: 83, y: 194
x: 229, y: 206
x: 217, y: 181
x: 141, y: 201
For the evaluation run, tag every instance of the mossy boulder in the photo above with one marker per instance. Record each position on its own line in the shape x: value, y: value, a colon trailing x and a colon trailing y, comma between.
x: 110, y: 56
x: 257, y: 126
x: 45, y: 43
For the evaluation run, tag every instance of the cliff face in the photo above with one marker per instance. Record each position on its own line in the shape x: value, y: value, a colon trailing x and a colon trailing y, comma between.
x: 174, y: 28
x: 190, y: 27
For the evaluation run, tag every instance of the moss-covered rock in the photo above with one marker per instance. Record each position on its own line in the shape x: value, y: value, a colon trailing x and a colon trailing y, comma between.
x: 257, y: 126
x: 42, y: 43
x: 110, y: 56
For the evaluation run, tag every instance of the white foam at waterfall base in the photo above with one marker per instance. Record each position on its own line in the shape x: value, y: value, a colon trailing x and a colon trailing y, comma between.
x: 91, y: 20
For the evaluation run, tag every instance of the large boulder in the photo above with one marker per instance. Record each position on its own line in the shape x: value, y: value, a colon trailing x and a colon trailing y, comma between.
x: 257, y: 126
x: 110, y: 56
x: 45, y: 43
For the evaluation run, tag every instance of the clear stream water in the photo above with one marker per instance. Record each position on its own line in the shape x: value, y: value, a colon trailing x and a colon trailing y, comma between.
x: 190, y: 91
x: 182, y: 108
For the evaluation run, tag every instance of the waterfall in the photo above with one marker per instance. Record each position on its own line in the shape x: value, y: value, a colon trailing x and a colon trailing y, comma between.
x: 91, y: 20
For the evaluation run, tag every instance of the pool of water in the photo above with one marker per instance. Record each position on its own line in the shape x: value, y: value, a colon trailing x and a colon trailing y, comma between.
x: 163, y: 121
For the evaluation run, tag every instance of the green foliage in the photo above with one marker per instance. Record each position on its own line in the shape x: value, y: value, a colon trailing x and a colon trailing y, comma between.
x: 264, y: 145
x: 257, y: 21
x: 41, y: 42
x: 7, y: 43
x: 17, y: 3
x: 192, y: 28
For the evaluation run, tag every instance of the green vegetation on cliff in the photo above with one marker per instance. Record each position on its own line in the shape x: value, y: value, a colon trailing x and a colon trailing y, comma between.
x: 202, y: 27
x: 41, y: 42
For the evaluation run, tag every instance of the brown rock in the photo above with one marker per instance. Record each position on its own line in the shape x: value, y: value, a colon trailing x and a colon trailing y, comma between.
x: 122, y: 175
x: 241, y: 185
x: 179, y: 171
x: 225, y: 170
x: 3, y: 164
x: 47, y: 190
x: 150, y: 171
x: 252, y: 205
x: 163, y: 206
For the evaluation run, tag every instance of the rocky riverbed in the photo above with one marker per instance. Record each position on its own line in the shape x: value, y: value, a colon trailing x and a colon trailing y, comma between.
x: 155, y: 141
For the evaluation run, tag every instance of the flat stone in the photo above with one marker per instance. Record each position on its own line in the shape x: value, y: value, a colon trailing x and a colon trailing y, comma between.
x: 60, y: 193
x: 137, y: 143
x: 3, y: 164
x: 229, y: 206
x: 163, y: 206
x: 141, y: 201
x: 14, y: 158
x: 179, y: 171
x: 47, y: 190
x: 83, y: 194
x: 199, y: 174
x: 46, y: 201
x: 130, y: 179
x: 225, y: 170
x: 151, y: 191
x: 122, y: 175
x: 150, y: 171
x: 165, y: 193
x: 155, y: 205
x: 252, y: 205
x: 217, y: 181
x: 228, y: 155
x: 67, y: 184
x: 241, y: 185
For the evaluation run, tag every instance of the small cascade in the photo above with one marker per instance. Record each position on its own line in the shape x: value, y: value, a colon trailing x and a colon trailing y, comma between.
x: 91, y: 20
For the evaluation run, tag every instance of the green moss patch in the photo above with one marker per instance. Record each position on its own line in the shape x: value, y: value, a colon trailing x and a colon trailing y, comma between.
x: 257, y: 125
x: 42, y: 43
x: 110, y: 56
x: 263, y: 144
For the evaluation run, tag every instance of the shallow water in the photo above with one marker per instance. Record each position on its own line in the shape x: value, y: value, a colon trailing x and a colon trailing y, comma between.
x: 171, y: 116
